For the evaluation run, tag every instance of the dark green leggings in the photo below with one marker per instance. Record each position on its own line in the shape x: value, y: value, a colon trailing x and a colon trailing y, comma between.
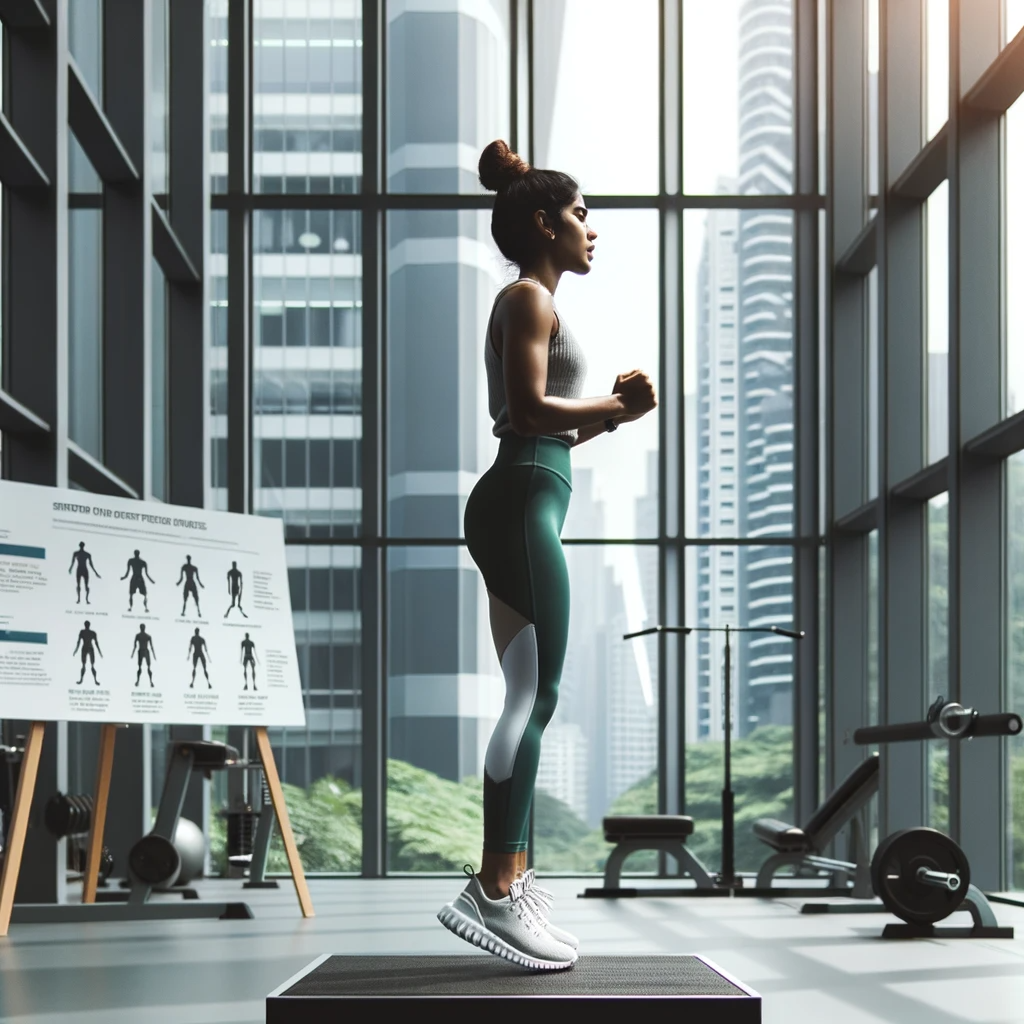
x: 513, y: 522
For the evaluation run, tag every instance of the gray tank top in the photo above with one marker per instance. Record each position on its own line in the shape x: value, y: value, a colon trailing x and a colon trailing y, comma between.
x: 567, y: 371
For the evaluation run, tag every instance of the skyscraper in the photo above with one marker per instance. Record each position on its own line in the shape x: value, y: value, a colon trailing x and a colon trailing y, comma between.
x: 745, y: 391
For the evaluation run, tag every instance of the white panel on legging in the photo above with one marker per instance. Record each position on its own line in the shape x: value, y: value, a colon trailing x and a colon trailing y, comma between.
x: 519, y: 666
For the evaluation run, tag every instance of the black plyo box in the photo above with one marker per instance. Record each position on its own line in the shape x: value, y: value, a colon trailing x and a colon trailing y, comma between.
x: 671, y: 988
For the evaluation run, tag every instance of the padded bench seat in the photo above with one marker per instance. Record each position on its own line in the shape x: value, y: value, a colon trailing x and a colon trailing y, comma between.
x: 782, y: 837
x: 647, y: 826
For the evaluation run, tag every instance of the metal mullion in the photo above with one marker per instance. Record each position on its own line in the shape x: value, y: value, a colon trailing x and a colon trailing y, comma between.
x: 806, y: 594
x: 373, y: 707
x: 955, y: 458
x: 239, y: 372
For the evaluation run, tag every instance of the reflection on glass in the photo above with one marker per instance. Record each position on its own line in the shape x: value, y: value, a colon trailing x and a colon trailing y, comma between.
x: 936, y: 58
x: 738, y: 372
x: 158, y: 366
x: 1013, y: 198
x: 447, y: 92
x: 596, y: 93
x: 1015, y: 657
x: 443, y: 273
x: 936, y: 355
x: 307, y: 418
x: 937, y: 597
x: 307, y: 96
x: 217, y: 358
x: 737, y: 96
x: 1013, y: 19
x: 218, y: 103
x: 85, y: 40
x: 739, y: 586
x: 160, y: 124
x: 446, y: 692
x: 85, y: 330
x: 872, y: 438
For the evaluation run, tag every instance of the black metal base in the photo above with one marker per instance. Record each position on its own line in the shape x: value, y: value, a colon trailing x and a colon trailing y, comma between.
x: 261, y: 885
x: 916, y: 931
x: 121, y: 895
x: 66, y: 913
x: 670, y: 988
x: 843, y: 908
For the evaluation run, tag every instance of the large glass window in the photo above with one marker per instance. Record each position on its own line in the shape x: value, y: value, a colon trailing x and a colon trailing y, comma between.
x: 1015, y: 658
x: 446, y: 692
x: 218, y: 358
x: 936, y: 61
x: 160, y: 125
x: 1013, y: 204
x: 1013, y: 19
x: 738, y: 372
x: 307, y: 96
x: 443, y: 108
x: 739, y: 586
x: 85, y: 40
x: 85, y: 330
x: 872, y: 99
x: 443, y: 273
x: 218, y: 104
x: 595, y: 74
x: 738, y: 96
x: 936, y: 347
x: 307, y: 370
x: 937, y: 604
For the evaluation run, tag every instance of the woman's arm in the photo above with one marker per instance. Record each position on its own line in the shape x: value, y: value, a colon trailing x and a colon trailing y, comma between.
x: 526, y: 334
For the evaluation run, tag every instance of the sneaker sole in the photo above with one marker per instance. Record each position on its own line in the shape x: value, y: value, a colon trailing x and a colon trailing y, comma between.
x: 467, y: 929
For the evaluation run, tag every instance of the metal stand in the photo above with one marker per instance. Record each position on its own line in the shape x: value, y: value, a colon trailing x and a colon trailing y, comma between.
x: 261, y: 845
x: 727, y: 877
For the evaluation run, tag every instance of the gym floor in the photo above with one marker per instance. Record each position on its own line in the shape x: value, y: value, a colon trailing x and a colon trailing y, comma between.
x: 807, y: 968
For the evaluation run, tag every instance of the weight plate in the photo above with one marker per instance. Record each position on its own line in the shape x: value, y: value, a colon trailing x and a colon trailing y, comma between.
x: 894, y: 878
x: 154, y: 860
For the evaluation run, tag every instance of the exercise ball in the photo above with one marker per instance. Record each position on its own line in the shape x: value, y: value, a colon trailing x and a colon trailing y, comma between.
x: 190, y: 843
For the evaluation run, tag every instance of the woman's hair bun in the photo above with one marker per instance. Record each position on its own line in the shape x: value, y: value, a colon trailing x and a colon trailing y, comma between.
x: 499, y: 166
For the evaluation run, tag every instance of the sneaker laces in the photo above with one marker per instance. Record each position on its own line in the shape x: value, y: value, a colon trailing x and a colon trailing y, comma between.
x: 539, y: 899
x: 525, y: 907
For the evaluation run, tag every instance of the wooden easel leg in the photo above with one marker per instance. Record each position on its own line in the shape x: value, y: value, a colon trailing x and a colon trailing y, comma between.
x: 284, y: 823
x: 99, y: 814
x: 19, y: 822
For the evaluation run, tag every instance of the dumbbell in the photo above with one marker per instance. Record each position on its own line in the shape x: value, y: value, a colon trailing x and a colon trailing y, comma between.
x: 68, y: 815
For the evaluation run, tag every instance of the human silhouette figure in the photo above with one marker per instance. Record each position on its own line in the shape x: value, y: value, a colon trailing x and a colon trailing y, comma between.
x: 137, y: 568
x: 235, y: 589
x: 84, y: 561
x: 198, y: 652
x: 190, y: 574
x: 249, y: 659
x: 144, y: 644
x: 90, y: 645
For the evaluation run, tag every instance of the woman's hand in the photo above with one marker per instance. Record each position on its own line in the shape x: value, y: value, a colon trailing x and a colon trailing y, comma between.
x: 637, y: 394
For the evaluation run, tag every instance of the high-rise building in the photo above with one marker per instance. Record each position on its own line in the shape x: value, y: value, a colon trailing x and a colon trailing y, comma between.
x: 718, y: 457
x: 765, y: 255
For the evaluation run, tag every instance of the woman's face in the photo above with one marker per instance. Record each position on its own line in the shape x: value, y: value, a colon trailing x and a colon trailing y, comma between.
x: 577, y: 238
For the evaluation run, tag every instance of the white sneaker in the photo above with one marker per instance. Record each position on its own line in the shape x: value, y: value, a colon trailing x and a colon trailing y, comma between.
x: 508, y: 927
x: 542, y: 900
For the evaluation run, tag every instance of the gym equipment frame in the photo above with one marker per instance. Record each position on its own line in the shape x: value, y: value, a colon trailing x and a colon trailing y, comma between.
x: 187, y: 755
x: 667, y: 833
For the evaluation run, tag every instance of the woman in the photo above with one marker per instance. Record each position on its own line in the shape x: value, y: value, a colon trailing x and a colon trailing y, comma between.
x: 513, y: 520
